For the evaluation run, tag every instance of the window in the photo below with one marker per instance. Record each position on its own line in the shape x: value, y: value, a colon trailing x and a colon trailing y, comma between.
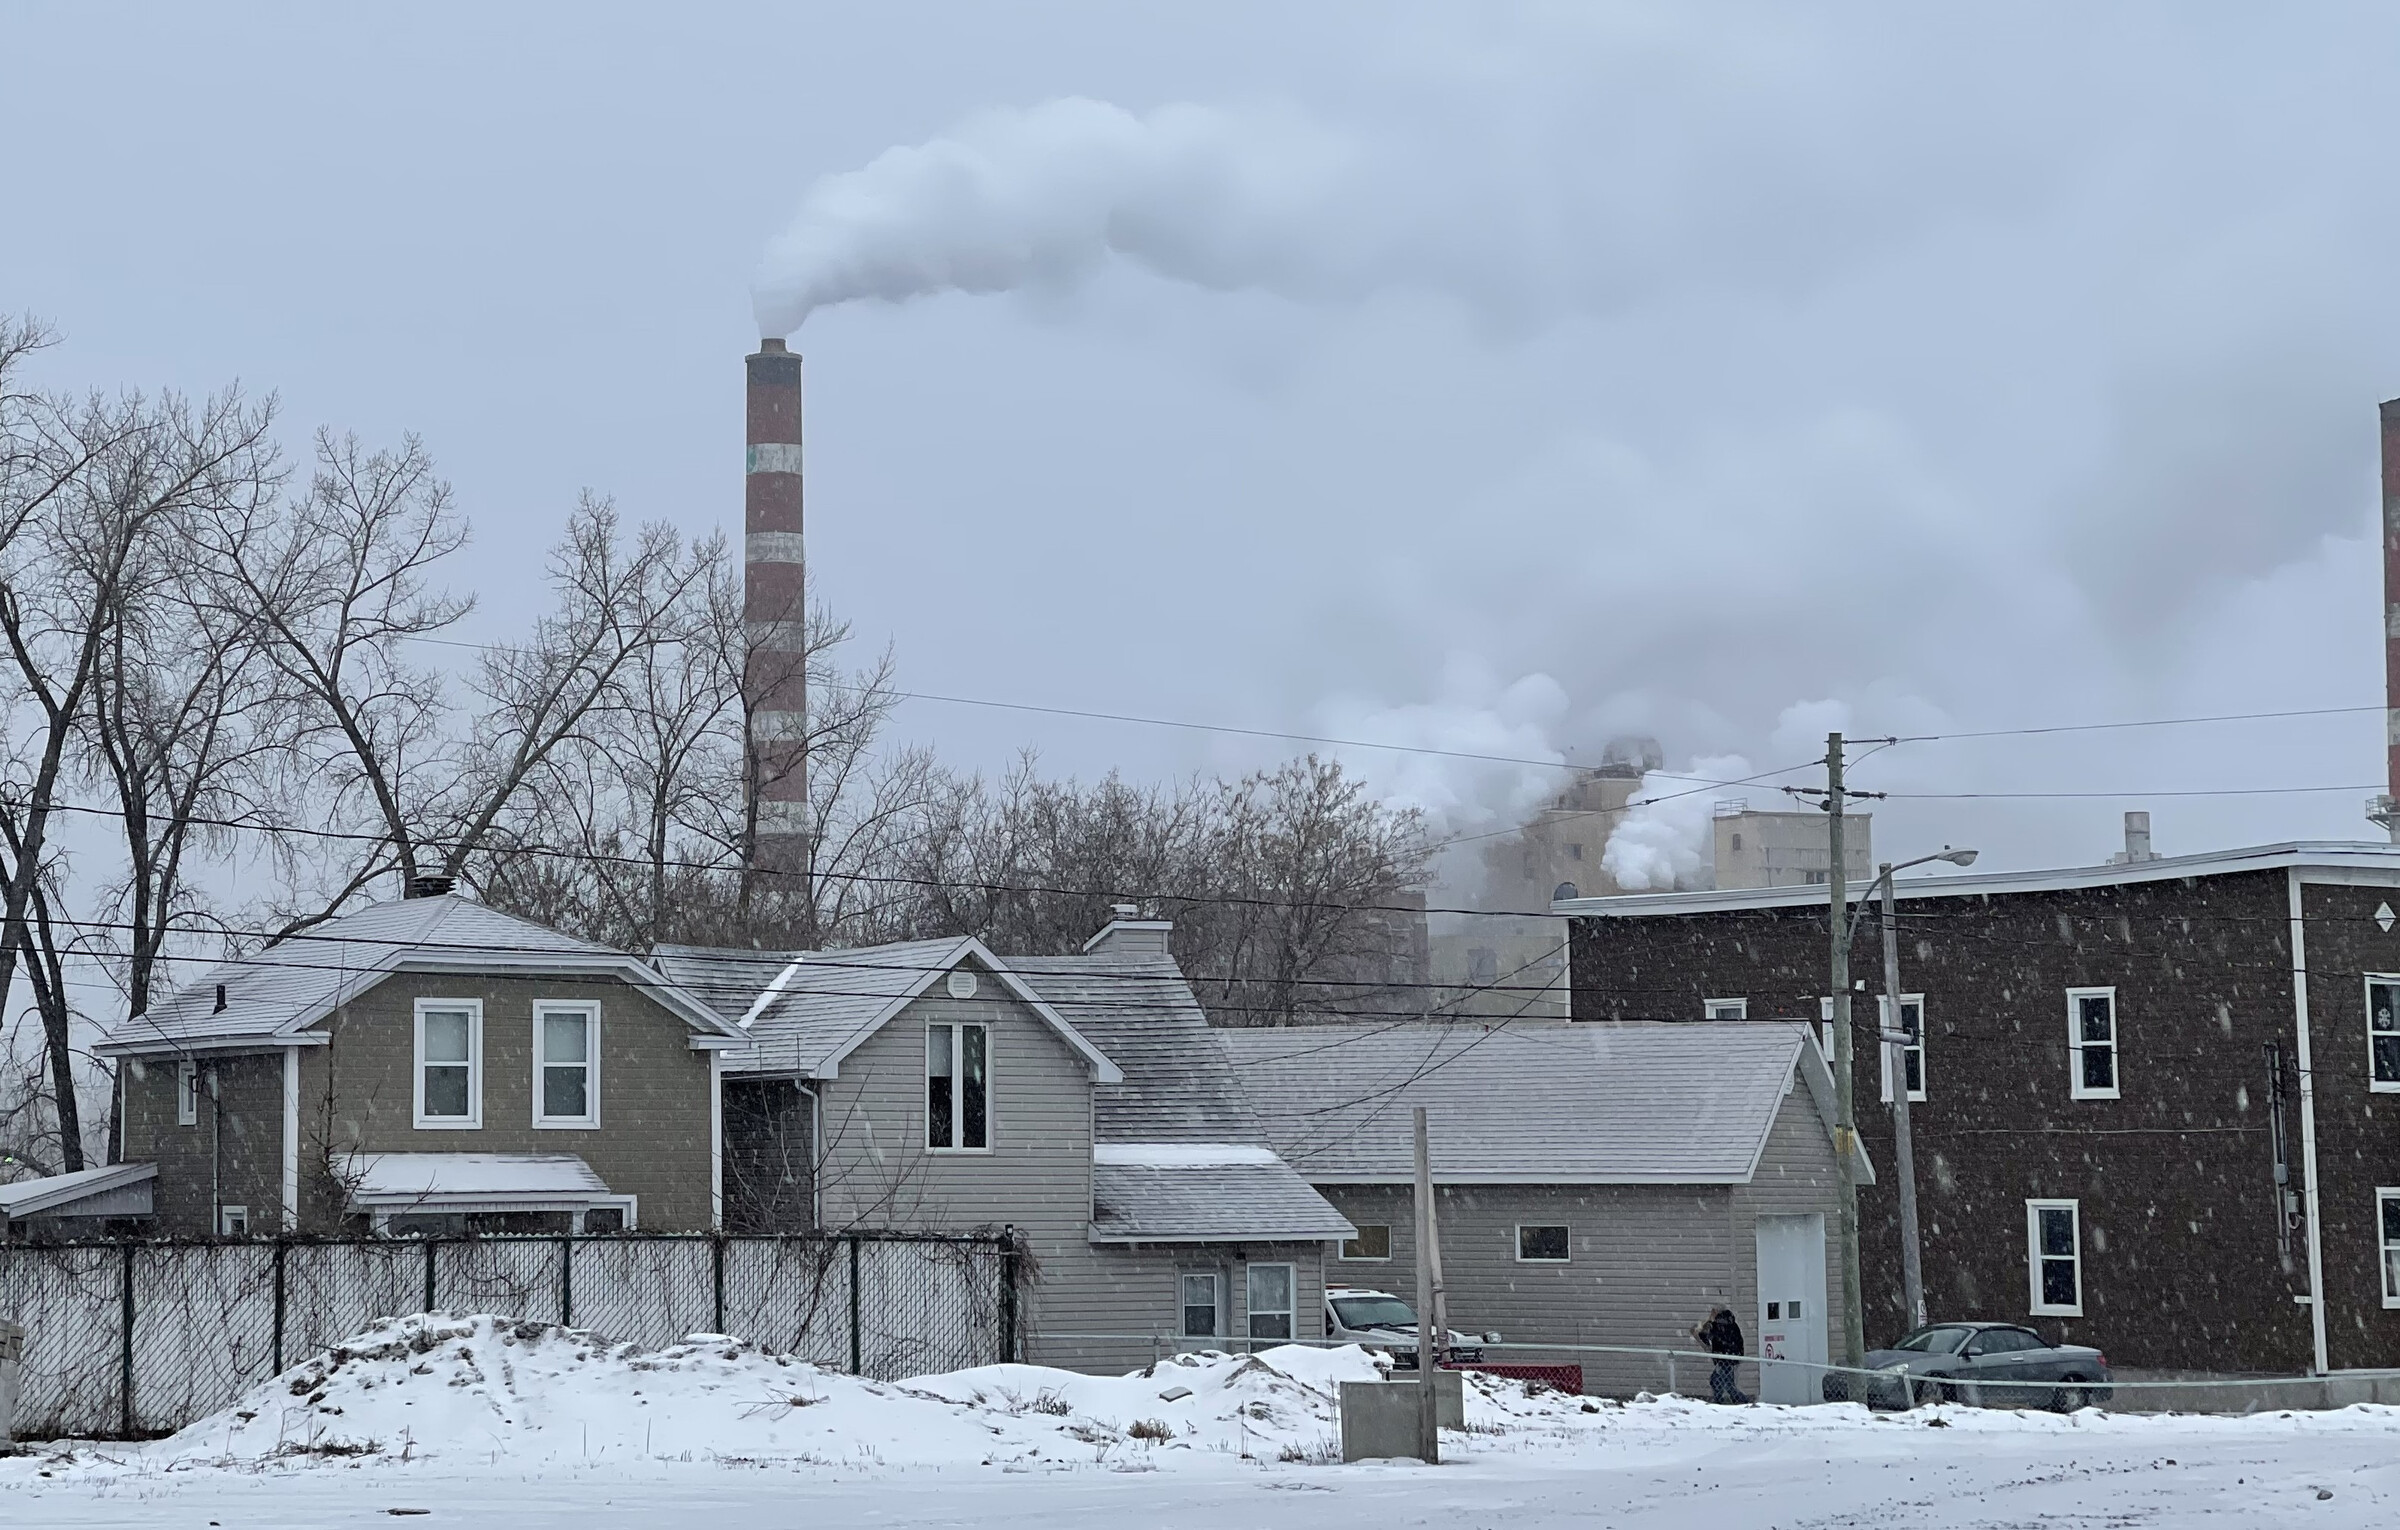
x: 449, y: 1063
x: 1271, y: 1287
x: 1541, y: 1245
x: 2383, y: 1034
x: 1912, y: 1020
x: 1574, y: 852
x: 1483, y: 965
x: 566, y: 1064
x: 1725, y: 1009
x: 2054, y: 1258
x: 1371, y: 1243
x: 233, y: 1221
x: 1737, y: 841
x: 957, y: 1089
x: 2387, y: 1222
x: 187, y: 1093
x: 2092, y: 1043
x: 2004, y: 1341
x: 604, y: 1219
x: 1201, y: 1293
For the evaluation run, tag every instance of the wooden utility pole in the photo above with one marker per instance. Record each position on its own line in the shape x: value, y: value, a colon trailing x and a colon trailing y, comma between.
x: 1845, y: 1125
x: 1429, y: 1425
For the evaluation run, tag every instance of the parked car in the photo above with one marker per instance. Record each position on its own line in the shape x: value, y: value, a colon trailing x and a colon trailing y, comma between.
x: 1380, y: 1320
x: 1998, y: 1365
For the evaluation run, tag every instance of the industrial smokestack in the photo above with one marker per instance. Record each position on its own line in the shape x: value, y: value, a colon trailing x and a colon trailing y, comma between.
x: 775, y: 610
x: 2384, y: 811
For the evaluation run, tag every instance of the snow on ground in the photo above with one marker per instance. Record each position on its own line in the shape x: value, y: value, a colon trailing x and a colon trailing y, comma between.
x: 484, y: 1420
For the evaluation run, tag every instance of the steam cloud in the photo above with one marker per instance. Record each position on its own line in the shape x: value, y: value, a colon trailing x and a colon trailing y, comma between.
x: 1664, y: 842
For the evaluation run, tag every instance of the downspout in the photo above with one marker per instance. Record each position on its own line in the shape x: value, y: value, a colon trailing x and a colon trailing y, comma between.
x: 816, y: 1154
x: 291, y: 1139
x: 716, y: 1140
x: 2308, y: 1125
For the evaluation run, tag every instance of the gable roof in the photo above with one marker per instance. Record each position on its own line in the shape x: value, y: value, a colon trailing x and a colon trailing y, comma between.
x: 802, y: 1012
x: 274, y: 995
x: 2334, y: 859
x: 71, y: 1194
x: 1178, y: 1084
x: 1549, y: 1102
x: 1196, y: 1192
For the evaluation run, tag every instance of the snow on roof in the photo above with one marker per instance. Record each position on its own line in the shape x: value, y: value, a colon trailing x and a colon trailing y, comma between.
x: 57, y: 1193
x: 280, y: 990
x: 1547, y: 1102
x: 451, y: 1180
x: 1210, y: 1196
x: 1181, y: 1155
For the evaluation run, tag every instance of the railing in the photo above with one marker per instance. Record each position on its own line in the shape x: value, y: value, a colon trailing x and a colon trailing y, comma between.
x: 131, y: 1338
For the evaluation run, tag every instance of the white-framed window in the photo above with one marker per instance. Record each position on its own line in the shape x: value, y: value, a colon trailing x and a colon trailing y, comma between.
x: 2383, y: 1033
x: 449, y: 1071
x: 566, y: 1063
x: 1373, y: 1245
x: 1542, y: 1243
x: 1272, y: 1288
x: 187, y: 1093
x: 2092, y: 1043
x: 1725, y: 1009
x: 958, y: 1088
x: 2387, y: 1239
x: 2054, y: 1258
x: 1201, y: 1294
x: 1912, y: 1020
x: 233, y: 1221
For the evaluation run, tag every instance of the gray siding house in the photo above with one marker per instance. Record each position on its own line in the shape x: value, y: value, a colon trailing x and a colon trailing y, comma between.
x: 1595, y: 1185
x: 1082, y: 1101
x: 425, y: 1065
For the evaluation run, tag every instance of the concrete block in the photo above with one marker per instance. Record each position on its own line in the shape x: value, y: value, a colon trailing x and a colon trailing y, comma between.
x: 1379, y: 1418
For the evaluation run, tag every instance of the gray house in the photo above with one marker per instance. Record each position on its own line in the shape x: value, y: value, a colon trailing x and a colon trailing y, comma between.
x: 424, y: 1065
x: 1081, y: 1100
x: 1596, y: 1185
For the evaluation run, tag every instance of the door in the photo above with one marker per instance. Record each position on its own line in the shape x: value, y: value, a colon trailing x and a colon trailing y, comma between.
x: 1791, y: 1308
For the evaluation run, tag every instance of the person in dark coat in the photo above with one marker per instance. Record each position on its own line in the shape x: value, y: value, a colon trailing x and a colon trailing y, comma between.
x: 1722, y: 1335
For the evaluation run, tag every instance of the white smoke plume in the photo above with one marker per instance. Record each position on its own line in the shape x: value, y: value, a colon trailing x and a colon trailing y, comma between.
x: 1664, y: 842
x: 1494, y: 762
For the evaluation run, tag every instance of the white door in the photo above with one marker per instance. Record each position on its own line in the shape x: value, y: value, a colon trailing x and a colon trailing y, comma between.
x: 1791, y: 1308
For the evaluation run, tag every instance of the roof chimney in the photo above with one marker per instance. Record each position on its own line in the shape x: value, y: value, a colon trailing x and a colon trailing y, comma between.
x: 429, y: 885
x: 775, y: 607
x: 2384, y: 811
x: 1127, y: 936
x: 2137, y: 837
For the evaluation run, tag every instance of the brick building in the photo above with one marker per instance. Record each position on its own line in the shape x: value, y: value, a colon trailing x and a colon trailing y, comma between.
x: 2157, y: 1103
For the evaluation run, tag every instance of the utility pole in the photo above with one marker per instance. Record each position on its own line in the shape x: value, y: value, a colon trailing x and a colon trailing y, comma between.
x: 1845, y: 1125
x: 1429, y: 1418
x: 1896, y: 1031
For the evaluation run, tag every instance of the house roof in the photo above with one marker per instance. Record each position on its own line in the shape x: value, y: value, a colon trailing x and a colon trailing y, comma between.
x: 2330, y: 859
x: 1178, y: 1084
x: 57, y: 1194
x: 1549, y: 1102
x: 804, y: 1011
x: 274, y: 995
x: 1188, y: 1192
x: 471, y: 1181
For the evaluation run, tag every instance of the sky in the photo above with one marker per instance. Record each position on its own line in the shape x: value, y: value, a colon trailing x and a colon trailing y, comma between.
x: 1497, y: 379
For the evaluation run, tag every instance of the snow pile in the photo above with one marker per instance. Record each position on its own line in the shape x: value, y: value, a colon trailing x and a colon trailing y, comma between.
x: 493, y: 1389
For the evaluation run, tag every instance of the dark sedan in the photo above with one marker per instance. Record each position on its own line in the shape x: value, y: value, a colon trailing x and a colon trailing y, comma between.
x: 1997, y: 1365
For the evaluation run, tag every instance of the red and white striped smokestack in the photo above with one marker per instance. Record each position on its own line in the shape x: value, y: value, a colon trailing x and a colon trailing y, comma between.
x: 2385, y: 810
x: 775, y: 609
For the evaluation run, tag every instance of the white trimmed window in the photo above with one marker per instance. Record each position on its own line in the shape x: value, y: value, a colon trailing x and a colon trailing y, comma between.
x: 2054, y: 1258
x: 1373, y: 1245
x: 958, y: 1088
x: 1203, y: 1301
x: 2092, y: 1043
x: 1272, y: 1287
x: 2383, y: 1033
x: 233, y: 1221
x: 187, y: 1093
x: 1542, y: 1243
x: 2387, y: 1230
x: 566, y: 1063
x: 1725, y: 1009
x: 1912, y: 1021
x: 449, y: 1070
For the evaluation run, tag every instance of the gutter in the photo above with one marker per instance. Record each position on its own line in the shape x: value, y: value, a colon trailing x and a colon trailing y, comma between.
x: 2308, y: 1126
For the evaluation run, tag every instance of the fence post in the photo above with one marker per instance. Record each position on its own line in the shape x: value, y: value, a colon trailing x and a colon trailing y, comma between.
x: 125, y: 1359
x: 716, y: 1261
x: 429, y: 1274
x: 566, y: 1281
x: 1008, y: 1295
x: 280, y: 1246
x: 857, y: 1354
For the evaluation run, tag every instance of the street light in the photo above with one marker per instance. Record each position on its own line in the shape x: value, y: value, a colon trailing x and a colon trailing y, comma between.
x: 1892, y: 1028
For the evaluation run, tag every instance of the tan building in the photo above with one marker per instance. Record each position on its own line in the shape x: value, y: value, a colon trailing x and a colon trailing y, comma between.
x: 1754, y: 849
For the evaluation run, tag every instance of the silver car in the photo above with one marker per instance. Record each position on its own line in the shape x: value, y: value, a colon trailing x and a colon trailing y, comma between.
x: 1997, y: 1365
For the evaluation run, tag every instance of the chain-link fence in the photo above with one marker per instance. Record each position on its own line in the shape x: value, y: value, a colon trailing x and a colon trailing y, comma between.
x: 137, y: 1338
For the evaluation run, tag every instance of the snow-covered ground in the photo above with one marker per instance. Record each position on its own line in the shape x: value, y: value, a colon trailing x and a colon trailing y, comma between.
x: 484, y: 1421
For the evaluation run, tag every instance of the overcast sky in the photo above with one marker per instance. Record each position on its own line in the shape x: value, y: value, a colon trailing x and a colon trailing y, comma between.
x: 1489, y: 378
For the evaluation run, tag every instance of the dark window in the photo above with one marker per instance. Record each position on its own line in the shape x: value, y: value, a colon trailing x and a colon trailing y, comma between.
x: 2056, y: 1256
x: 957, y: 1088
x: 1371, y: 1243
x: 1575, y: 852
x: 1564, y: 890
x: 1737, y: 841
x: 1542, y: 1245
x: 2383, y: 1031
x: 604, y: 1219
x: 1271, y: 1287
x: 2093, y: 1036
x: 1199, y: 1306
